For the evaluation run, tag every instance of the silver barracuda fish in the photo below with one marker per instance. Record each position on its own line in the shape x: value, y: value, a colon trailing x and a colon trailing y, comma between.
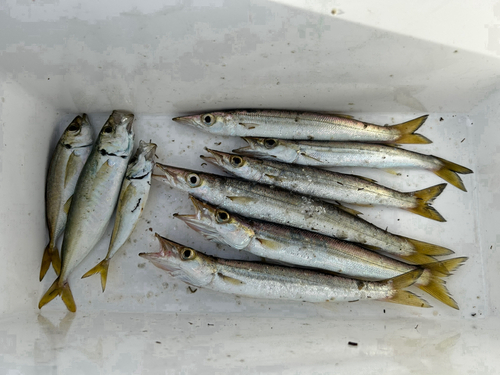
x: 65, y: 167
x: 327, y: 185
x: 302, y: 126
x: 281, y: 206
x: 351, y: 154
x: 94, y: 200
x: 257, y: 280
x: 131, y: 202
x: 307, y: 249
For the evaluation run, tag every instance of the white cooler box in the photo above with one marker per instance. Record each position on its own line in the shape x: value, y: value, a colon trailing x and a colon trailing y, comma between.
x: 380, y: 61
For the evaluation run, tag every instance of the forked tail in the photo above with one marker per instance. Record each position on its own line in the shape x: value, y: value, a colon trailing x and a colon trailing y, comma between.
x: 50, y: 255
x: 404, y: 297
x: 423, y: 252
x: 431, y: 279
x: 407, y: 131
x: 59, y: 289
x: 101, y: 268
x: 449, y: 170
x: 424, y: 198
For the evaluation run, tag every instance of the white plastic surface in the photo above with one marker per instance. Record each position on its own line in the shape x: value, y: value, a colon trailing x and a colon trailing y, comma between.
x: 381, y: 61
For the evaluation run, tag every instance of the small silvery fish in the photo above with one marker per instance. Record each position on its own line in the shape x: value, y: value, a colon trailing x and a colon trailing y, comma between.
x: 133, y: 197
x: 94, y: 200
x: 67, y: 162
x: 306, y: 249
x: 351, y: 154
x: 328, y: 185
x: 303, y: 126
x: 281, y: 206
x: 257, y: 280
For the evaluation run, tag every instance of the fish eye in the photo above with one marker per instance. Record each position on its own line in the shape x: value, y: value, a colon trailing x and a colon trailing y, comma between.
x: 236, y: 161
x: 222, y: 216
x: 270, y: 143
x: 74, y: 127
x: 187, y: 254
x: 208, y: 119
x: 194, y: 180
x: 108, y: 129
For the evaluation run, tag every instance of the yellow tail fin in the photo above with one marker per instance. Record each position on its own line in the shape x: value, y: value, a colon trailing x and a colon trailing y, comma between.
x: 57, y: 289
x: 428, y: 248
x: 415, y: 257
x: 407, y: 130
x: 101, y: 268
x: 50, y: 255
x: 449, y: 170
x: 404, y: 297
x: 424, y: 198
x: 431, y: 282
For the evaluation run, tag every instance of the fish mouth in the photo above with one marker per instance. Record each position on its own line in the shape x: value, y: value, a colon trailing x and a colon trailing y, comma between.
x: 186, y: 120
x: 217, y: 157
x: 202, y: 220
x: 168, y: 248
x: 250, y: 149
x: 123, y: 118
x: 85, y: 119
x: 170, y: 174
x: 149, y: 150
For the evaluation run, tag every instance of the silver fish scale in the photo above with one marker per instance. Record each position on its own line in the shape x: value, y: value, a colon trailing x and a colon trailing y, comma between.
x: 283, y: 207
x: 274, y: 282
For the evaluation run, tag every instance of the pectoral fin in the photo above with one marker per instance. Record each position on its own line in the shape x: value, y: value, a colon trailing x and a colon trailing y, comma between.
x: 249, y: 126
x: 72, y: 168
x: 229, y: 280
x: 310, y: 157
x: 270, y: 244
x: 67, y: 205
x: 242, y: 200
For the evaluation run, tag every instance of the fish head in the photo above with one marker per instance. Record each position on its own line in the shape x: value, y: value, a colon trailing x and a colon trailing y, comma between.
x: 218, y: 225
x: 187, y: 180
x: 182, y: 262
x: 269, y: 148
x: 142, y: 162
x: 212, y: 122
x: 79, y: 133
x: 235, y: 164
x: 117, y: 134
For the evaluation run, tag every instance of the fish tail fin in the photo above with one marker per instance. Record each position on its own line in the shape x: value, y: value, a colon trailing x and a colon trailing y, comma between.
x: 426, y: 248
x: 407, y: 131
x: 432, y: 283
x: 102, y: 268
x: 404, y: 297
x: 50, y: 255
x: 448, y: 172
x: 424, y: 198
x: 55, y: 290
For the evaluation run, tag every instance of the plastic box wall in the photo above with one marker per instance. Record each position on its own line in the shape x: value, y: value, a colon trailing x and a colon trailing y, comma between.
x: 381, y: 61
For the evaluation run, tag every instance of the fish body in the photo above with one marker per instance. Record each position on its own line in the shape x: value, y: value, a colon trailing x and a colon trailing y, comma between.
x: 312, y: 250
x: 283, y: 207
x: 257, y: 280
x: 351, y: 154
x: 94, y: 200
x: 131, y: 202
x: 68, y: 159
x: 302, y: 126
x: 327, y: 185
